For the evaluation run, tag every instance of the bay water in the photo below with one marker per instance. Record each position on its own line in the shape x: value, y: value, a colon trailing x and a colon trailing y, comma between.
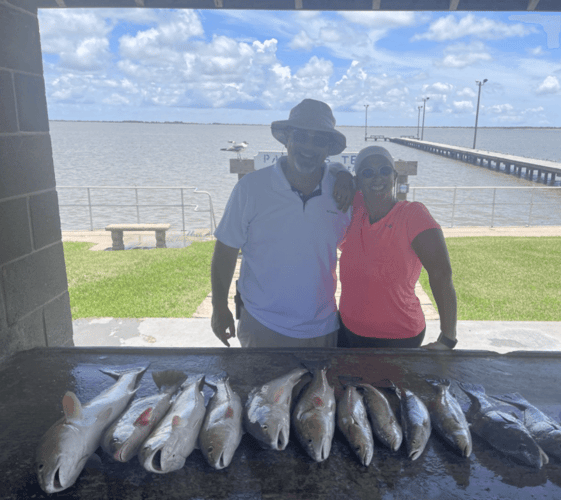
x: 172, y: 155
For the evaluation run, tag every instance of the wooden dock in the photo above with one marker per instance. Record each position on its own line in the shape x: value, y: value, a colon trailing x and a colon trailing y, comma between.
x: 376, y: 138
x: 546, y: 171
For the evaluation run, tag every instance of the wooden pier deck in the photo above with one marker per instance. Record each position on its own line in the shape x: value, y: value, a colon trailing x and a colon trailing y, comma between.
x: 533, y: 169
x: 376, y: 138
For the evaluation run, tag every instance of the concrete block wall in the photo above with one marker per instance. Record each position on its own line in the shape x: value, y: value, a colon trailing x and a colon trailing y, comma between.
x: 34, y: 302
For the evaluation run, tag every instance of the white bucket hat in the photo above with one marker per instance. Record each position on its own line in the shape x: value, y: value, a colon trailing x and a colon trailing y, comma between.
x: 310, y: 115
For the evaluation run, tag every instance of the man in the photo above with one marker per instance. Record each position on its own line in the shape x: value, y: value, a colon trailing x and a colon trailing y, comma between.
x: 287, y: 223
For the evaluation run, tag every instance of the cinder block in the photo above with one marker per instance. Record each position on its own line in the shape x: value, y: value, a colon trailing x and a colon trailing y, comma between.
x: 26, y: 164
x: 58, y: 322
x: 15, y: 235
x: 45, y: 219
x: 19, y: 39
x: 34, y: 280
x: 31, y: 103
x: 25, y: 334
x: 8, y: 117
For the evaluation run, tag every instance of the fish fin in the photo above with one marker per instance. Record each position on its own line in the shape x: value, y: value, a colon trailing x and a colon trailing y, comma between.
x: 472, y: 388
x: 144, y: 418
x: 513, y: 399
x: 71, y: 406
x: 169, y: 380
x: 140, y: 370
x: 437, y: 382
x: 316, y: 365
x: 349, y: 380
x: 93, y: 462
x: 105, y: 415
x: 214, y: 380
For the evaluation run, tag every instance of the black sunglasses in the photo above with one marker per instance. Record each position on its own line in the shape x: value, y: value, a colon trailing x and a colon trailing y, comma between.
x: 319, y: 139
x: 385, y: 171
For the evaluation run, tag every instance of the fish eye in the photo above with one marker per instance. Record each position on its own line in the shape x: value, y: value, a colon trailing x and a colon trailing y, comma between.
x: 264, y: 427
x: 41, y: 466
x: 209, y: 449
x: 114, y: 440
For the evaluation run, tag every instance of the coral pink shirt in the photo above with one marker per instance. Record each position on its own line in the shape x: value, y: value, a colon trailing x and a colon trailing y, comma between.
x: 379, y: 270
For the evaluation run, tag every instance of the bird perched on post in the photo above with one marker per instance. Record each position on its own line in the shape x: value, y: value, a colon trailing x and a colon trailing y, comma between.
x: 236, y: 148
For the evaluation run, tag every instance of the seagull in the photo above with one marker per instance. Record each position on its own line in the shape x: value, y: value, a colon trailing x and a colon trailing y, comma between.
x: 236, y: 148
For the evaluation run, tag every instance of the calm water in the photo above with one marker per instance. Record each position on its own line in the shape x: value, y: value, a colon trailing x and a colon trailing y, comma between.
x: 125, y: 154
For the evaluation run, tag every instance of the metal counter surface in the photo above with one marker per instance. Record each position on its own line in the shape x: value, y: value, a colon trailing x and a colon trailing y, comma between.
x: 32, y: 384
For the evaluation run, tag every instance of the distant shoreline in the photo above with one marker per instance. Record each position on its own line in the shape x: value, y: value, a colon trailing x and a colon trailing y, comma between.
x: 266, y: 124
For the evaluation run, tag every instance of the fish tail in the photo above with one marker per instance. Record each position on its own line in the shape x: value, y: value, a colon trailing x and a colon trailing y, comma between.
x: 437, y: 382
x: 472, y: 389
x: 316, y: 365
x: 216, y: 379
x: 139, y: 370
x: 347, y: 380
x: 514, y: 399
x: 169, y: 380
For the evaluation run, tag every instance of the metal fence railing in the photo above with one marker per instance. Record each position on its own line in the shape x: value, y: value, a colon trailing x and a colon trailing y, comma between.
x: 482, y: 205
x: 91, y: 205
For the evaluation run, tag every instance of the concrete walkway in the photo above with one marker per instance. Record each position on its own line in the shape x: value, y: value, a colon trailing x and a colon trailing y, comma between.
x: 498, y: 336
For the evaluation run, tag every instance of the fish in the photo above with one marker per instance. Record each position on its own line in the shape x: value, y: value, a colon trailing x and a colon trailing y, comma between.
x: 448, y: 419
x: 352, y: 420
x: 175, y: 437
x: 313, y: 417
x: 501, y: 429
x: 545, y: 431
x: 123, y: 438
x: 68, y: 444
x: 266, y: 413
x: 385, y: 425
x: 415, y: 422
x: 222, y: 429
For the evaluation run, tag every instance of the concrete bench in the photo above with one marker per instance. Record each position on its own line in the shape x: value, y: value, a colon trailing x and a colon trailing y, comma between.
x: 117, y: 233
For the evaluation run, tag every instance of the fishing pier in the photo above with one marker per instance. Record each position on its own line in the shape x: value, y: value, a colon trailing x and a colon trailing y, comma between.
x: 530, y: 168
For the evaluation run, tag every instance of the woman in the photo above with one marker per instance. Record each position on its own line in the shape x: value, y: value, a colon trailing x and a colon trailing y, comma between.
x: 386, y: 245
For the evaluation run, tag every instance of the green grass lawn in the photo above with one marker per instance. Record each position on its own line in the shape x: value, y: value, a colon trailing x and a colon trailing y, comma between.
x: 159, y: 283
x: 505, y: 278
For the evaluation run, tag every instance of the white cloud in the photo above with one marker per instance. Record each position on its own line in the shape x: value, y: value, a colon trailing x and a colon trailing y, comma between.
x: 116, y: 100
x: 461, y: 55
x: 449, y: 28
x: 536, y: 51
x: 301, y: 41
x: 463, y: 106
x: 466, y: 92
x: 549, y: 86
x: 438, y: 88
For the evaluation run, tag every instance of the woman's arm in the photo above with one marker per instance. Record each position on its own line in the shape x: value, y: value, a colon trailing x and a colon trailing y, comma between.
x: 430, y: 247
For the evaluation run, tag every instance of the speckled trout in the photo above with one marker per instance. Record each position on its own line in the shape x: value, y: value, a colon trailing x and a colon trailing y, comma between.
x: 448, y: 419
x: 313, y: 416
x: 222, y: 427
x: 545, y: 431
x: 175, y: 437
x: 385, y: 425
x: 267, y: 410
x: 352, y: 420
x: 125, y: 436
x: 65, y: 448
x: 501, y: 429
x: 415, y: 422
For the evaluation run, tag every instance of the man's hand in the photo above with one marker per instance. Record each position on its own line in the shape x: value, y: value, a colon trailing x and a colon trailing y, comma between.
x: 223, y: 325
x: 344, y: 190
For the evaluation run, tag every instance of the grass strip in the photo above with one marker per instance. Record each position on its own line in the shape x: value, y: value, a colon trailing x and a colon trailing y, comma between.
x: 158, y: 283
x: 505, y: 278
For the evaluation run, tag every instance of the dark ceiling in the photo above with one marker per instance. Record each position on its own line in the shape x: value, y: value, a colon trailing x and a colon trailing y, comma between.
x: 364, y: 5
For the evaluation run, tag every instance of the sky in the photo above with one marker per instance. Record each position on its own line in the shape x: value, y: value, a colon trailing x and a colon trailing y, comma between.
x: 252, y: 67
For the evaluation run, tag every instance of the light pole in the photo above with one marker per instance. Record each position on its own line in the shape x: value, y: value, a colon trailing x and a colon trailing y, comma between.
x: 477, y: 112
x: 419, y: 120
x: 425, y: 99
x: 366, y: 121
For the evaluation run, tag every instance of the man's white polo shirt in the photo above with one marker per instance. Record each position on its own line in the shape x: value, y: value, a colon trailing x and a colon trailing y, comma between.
x: 289, y: 251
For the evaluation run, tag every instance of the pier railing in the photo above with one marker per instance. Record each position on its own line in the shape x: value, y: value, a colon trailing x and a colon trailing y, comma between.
x: 181, y: 204
x: 482, y: 205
